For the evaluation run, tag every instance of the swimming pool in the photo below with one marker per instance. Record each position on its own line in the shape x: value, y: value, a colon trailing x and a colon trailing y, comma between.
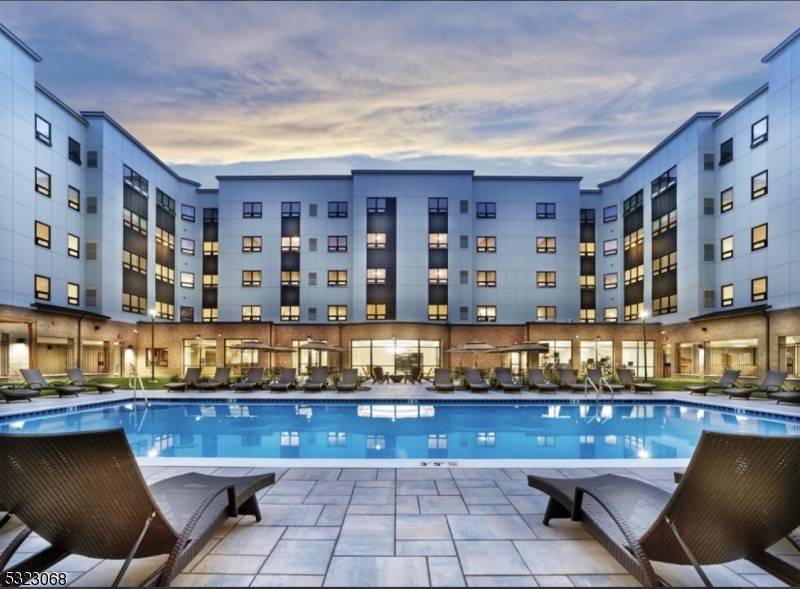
x: 439, y: 433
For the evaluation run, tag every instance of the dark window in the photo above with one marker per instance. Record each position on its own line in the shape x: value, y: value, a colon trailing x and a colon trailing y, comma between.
x: 251, y: 243
x: 91, y: 250
x: 337, y: 209
x: 635, y: 202
x: 312, y: 210
x: 758, y: 132
x: 726, y: 200
x: 546, y: 245
x: 464, y: 206
x: 610, y: 214
x: 290, y: 209
x: 464, y: 242
x: 165, y: 201
x: 759, y: 237
x: 708, y: 206
x: 587, y: 216
x: 135, y: 180
x: 187, y: 314
x: 187, y: 214
x: 726, y: 152
x: 42, y: 234
x: 91, y: 159
x: 251, y: 210
x: 74, y: 151
x: 758, y: 185
x: 708, y: 161
x: 210, y: 215
x: 42, y: 182
x: 376, y: 205
x: 758, y: 289
x: 312, y: 244
x: 486, y: 210
x: 337, y: 243
x: 42, y: 287
x: 437, y: 205
x: 664, y: 181
x: 545, y: 210
x: 74, y: 198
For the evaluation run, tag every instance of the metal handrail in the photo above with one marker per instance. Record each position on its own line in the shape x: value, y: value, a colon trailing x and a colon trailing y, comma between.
x: 133, y: 380
x: 588, y: 381
x: 603, y: 381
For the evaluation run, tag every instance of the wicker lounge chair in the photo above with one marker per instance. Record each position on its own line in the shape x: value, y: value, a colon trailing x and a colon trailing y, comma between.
x: 79, y: 380
x: 596, y: 376
x: 627, y: 380
x: 251, y: 382
x: 220, y: 380
x: 286, y: 381
x: 567, y: 381
x: 537, y: 381
x: 727, y: 381
x: 10, y: 393
x: 792, y: 396
x: 316, y: 383
x: 189, y: 381
x: 442, y: 382
x: 97, y: 504
x: 773, y: 382
x: 36, y: 382
x: 474, y: 381
x: 349, y: 382
x: 506, y: 382
x: 378, y: 377
x: 736, y: 499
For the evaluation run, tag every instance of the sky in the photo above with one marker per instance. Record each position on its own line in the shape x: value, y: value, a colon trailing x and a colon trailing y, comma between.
x: 543, y: 88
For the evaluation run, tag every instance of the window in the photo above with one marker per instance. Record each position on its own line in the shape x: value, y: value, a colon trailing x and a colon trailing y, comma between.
x: 727, y: 295
x: 486, y: 210
x: 610, y: 247
x: 187, y: 314
x: 375, y: 312
x: 251, y: 277
x: 727, y: 247
x: 726, y: 200
x: 337, y: 243
x: 290, y: 209
x: 290, y: 313
x: 487, y: 314
x: 464, y: 242
x: 73, y: 246
x: 134, y: 304
x: 165, y: 311
x: 376, y: 276
x: 587, y: 216
x: 134, y: 221
x: 312, y: 210
x: 610, y: 214
x: 73, y: 294
x: 708, y: 206
x: 664, y: 181
x: 42, y: 235
x: 164, y: 237
x: 463, y: 206
x: 758, y: 132
x: 376, y: 205
x: 665, y: 222
x: 291, y: 278
x: 210, y: 215
x: 634, y: 239
x: 708, y: 299
x: 665, y: 305
x: 210, y: 248
x: 437, y: 205
x: 437, y: 241
x: 187, y: 246
x: 610, y: 281
x: 312, y: 244
x: 758, y: 185
x: 337, y: 312
x: 165, y: 274
x: 487, y: 244
x: 91, y: 159
x: 759, y: 237
x: 463, y: 277
x: 337, y: 209
x: 437, y: 312
x: 187, y: 214
x: 546, y: 245
x: 165, y: 201
x: 636, y: 274
x: 587, y: 281
x: 74, y: 150
x: 545, y: 313
x: 134, y: 262
x: 43, y: 130
x: 42, y: 287
x: 91, y: 297
x: 633, y: 311
x: 546, y: 279
x: 74, y: 198
x: 665, y: 263
x: 135, y: 180
x: 210, y: 280
x: 251, y: 312
x: 635, y: 202
x: 312, y: 313
x: 708, y: 161
x: 338, y: 277
x: 91, y: 250
x: 487, y: 277
x: 376, y: 241
x: 42, y: 182
x: 437, y: 276
x: 187, y: 279
x: 210, y: 315
x: 588, y: 315
x: 251, y: 243
x: 587, y: 249
x: 251, y: 210
x: 290, y: 244
x: 312, y: 279
x: 758, y: 289
x: 708, y: 252
x: 726, y: 152
x: 463, y: 313
x: 545, y: 210
x: 610, y: 314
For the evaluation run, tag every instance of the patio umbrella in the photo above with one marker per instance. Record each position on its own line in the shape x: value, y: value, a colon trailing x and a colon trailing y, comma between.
x: 474, y: 346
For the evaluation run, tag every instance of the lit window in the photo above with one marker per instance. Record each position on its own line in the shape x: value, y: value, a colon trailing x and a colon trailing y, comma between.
x: 376, y: 205
x: 74, y: 198
x: 610, y: 214
x: 758, y: 185
x: 759, y: 237
x: 210, y: 315
x: 251, y: 243
x: 42, y: 234
x: 546, y: 245
x: 165, y: 274
x: 758, y: 132
x: 486, y: 277
x: 73, y: 246
x: 437, y: 312
x: 42, y: 182
x: 610, y: 247
x: 337, y: 312
x: 587, y: 281
x: 73, y: 294
x: 437, y: 241
x: 251, y: 312
x: 134, y: 221
x: 290, y: 278
x: 437, y: 205
x: 134, y: 262
x: 587, y: 315
x: 726, y: 152
x: 486, y: 210
x: 290, y: 209
x: 337, y: 209
x: 187, y: 213
x: 727, y: 247
x: 437, y: 276
x: 727, y: 295
x: 545, y: 279
x: 610, y: 281
x: 164, y: 237
x: 545, y: 210
x: 187, y: 246
x: 165, y: 311
x: 251, y: 277
x: 376, y: 276
x: 251, y: 210
x: 337, y: 277
x: 210, y: 248
x: 74, y: 151
x: 758, y: 289
x: 633, y: 311
x: 665, y: 263
x: 290, y: 244
x: 134, y: 304
x: 633, y: 239
x: 545, y: 313
x: 587, y: 249
x: 665, y: 305
x: 726, y: 200
x: 487, y: 244
x: 43, y: 130
x: 42, y: 287
x: 610, y: 314
x: 290, y: 313
x: 376, y: 240
x: 337, y: 243
x: 487, y: 314
x: 665, y: 222
x: 187, y: 279
x: 635, y: 274
x: 375, y: 312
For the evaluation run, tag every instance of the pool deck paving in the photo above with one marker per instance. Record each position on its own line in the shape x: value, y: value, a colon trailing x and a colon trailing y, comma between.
x: 413, y: 527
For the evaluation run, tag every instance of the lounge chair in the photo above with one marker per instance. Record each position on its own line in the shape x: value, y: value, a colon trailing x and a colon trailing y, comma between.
x: 79, y: 380
x: 286, y: 381
x: 536, y: 380
x: 506, y: 382
x: 316, y: 383
x: 627, y: 380
x: 792, y: 396
x: 378, y: 377
x: 36, y: 382
x: 107, y: 511
x: 10, y: 393
x: 189, y: 381
x: 349, y: 381
x: 567, y: 381
x: 252, y: 381
x: 414, y: 375
x: 442, y: 382
x: 220, y: 380
x: 596, y: 376
x: 727, y: 381
x: 773, y: 382
x: 736, y: 499
x: 474, y: 381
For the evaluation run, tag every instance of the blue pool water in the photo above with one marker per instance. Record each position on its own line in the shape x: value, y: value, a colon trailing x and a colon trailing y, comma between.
x: 410, y: 430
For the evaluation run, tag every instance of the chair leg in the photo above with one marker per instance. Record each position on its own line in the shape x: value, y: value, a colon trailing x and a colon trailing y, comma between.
x: 555, y: 511
x: 250, y: 507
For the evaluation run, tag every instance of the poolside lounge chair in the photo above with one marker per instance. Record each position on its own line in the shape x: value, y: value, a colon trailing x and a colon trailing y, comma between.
x: 36, y: 382
x: 79, y: 380
x: 442, y: 382
x: 567, y: 376
x: 414, y: 375
x: 18, y: 394
x: 475, y: 382
x: 626, y: 379
x: 727, y: 381
x: 107, y: 511
x: 286, y: 381
x: 251, y: 382
x: 596, y: 376
x: 773, y: 382
x: 316, y: 383
x: 378, y: 377
x: 792, y: 396
x: 506, y: 382
x: 220, y: 380
x: 349, y: 381
x: 189, y: 380
x: 536, y: 380
x: 736, y: 499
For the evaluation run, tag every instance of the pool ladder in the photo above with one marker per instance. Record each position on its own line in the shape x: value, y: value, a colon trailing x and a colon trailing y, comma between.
x: 597, y: 392
x: 135, y: 382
